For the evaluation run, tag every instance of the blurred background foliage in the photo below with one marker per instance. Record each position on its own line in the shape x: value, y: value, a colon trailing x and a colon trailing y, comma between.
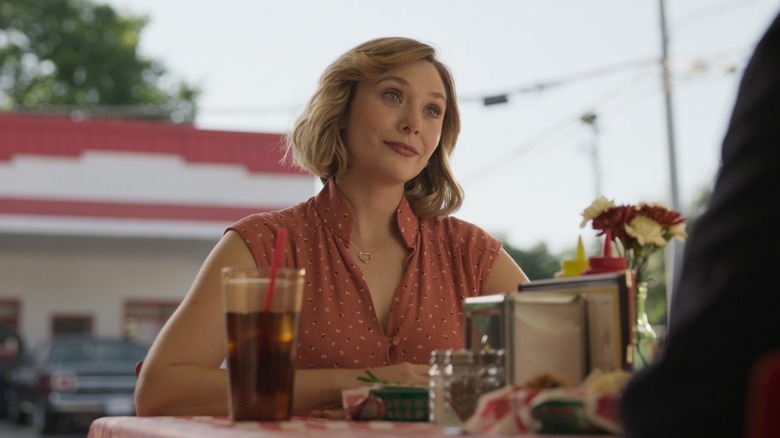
x: 77, y: 55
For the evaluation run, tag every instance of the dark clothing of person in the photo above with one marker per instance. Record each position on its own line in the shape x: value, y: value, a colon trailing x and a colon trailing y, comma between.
x: 725, y: 314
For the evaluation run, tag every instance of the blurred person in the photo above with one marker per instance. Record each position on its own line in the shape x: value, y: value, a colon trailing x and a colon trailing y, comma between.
x: 387, y: 267
x: 723, y: 317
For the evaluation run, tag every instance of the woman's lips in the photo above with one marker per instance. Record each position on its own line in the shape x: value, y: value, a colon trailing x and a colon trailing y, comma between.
x: 402, y: 149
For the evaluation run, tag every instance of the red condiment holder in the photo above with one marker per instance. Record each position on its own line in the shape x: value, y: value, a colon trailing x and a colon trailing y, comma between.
x: 605, y: 263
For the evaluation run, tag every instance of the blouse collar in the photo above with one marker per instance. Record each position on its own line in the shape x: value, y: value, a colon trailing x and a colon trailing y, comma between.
x: 337, y: 214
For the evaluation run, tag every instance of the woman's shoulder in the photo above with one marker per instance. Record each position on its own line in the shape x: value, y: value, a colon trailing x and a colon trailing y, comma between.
x: 262, y: 226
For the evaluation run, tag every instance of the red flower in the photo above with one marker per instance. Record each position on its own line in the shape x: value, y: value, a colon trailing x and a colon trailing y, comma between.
x: 664, y: 217
x: 614, y: 219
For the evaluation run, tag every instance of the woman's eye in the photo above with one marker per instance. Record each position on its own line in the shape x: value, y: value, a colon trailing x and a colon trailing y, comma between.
x: 433, y: 111
x: 393, y: 95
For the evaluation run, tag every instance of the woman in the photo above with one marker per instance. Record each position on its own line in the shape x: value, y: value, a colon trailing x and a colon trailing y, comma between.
x: 386, y: 268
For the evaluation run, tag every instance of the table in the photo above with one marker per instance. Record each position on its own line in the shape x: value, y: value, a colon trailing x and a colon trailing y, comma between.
x: 221, y: 427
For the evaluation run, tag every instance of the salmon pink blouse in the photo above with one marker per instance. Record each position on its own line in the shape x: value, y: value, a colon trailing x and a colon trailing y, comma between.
x: 448, y: 261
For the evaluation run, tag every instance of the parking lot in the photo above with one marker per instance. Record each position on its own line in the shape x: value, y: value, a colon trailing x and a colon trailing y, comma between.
x: 64, y: 383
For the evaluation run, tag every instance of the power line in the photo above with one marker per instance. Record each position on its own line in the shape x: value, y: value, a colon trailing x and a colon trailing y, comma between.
x: 561, y: 126
x: 503, y: 97
x: 695, y: 66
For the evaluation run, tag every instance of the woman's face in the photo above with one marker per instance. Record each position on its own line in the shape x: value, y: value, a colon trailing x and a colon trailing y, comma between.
x: 393, y: 125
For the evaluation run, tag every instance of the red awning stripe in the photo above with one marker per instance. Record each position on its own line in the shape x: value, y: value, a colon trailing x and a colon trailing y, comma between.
x: 62, y: 136
x: 125, y: 210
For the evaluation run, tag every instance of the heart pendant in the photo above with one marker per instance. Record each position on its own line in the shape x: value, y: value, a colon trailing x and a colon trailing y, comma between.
x: 364, y: 257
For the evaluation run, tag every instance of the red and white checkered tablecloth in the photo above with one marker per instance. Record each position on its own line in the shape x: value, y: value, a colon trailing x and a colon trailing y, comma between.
x: 220, y: 427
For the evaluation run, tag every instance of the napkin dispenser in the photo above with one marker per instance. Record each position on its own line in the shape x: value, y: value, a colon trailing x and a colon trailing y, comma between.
x: 567, y: 326
x: 540, y: 333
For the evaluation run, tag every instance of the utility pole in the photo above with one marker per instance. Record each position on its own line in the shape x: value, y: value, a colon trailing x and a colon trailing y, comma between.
x: 590, y: 119
x: 673, y: 257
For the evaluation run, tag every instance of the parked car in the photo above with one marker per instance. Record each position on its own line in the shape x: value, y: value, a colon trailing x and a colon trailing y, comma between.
x: 78, y: 378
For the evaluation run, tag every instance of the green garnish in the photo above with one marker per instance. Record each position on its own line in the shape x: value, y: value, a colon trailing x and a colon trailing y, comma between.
x: 371, y: 378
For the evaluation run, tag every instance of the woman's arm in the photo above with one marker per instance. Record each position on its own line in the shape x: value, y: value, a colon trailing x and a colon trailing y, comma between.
x: 505, y: 275
x: 181, y: 373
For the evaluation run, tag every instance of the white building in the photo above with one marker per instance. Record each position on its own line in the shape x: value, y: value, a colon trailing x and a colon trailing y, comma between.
x: 104, y: 223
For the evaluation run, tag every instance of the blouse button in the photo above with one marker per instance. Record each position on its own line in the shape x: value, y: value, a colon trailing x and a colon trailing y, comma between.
x: 396, y: 341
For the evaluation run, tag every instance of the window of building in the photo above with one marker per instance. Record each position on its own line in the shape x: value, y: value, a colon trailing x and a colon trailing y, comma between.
x: 145, y: 319
x: 9, y: 314
x: 63, y: 325
x: 10, y: 342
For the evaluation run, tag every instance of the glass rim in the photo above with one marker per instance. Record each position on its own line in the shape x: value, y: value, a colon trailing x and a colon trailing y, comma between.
x: 254, y: 270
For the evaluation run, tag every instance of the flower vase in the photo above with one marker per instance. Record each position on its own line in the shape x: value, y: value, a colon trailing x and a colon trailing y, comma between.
x: 645, y: 338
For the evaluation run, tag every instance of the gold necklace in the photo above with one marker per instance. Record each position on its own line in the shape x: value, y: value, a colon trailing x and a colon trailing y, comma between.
x: 365, y: 256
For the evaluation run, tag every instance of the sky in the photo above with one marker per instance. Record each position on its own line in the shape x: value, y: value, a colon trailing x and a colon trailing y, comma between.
x: 527, y: 166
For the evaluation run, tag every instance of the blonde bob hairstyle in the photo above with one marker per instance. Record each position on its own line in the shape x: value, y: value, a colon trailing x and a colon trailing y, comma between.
x: 316, y: 144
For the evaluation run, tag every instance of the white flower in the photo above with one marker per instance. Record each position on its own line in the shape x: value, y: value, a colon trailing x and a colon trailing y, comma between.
x: 596, y: 208
x: 677, y: 231
x: 646, y: 231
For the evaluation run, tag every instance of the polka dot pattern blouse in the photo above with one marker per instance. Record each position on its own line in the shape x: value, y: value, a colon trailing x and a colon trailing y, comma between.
x: 449, y: 261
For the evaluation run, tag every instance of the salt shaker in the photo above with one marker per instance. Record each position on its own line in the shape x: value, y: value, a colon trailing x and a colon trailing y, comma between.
x: 437, y: 406
x: 491, y: 370
x: 461, y: 384
x: 436, y: 403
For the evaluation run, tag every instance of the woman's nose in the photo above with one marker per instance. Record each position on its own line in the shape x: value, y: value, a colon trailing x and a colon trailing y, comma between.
x: 410, y: 122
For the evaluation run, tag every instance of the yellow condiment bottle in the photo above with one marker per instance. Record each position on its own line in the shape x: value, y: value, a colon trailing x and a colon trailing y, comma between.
x: 574, y: 268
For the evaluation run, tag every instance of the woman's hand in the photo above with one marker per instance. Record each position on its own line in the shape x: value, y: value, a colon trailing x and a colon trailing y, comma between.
x: 400, y: 374
x: 322, y: 387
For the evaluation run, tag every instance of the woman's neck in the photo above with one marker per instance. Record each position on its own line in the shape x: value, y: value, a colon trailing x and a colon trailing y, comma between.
x: 374, y: 207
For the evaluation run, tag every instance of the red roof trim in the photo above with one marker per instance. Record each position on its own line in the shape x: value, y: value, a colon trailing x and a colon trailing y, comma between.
x: 63, y: 136
x: 124, y: 210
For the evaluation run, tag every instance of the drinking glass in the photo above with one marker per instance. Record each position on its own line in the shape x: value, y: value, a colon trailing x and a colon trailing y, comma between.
x: 262, y: 333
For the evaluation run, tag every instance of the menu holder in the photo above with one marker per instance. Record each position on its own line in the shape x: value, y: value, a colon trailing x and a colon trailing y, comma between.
x: 567, y: 326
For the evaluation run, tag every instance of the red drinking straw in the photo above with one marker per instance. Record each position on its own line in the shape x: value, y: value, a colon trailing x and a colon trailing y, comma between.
x: 281, y: 234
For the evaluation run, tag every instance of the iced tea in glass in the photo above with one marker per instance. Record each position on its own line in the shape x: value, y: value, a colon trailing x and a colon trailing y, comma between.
x: 261, y: 341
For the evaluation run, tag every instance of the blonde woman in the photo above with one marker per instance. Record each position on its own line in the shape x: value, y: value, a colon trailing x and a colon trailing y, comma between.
x: 387, y: 267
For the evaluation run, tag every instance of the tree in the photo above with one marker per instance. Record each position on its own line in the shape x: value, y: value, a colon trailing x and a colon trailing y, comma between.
x: 75, y: 54
x: 537, y: 263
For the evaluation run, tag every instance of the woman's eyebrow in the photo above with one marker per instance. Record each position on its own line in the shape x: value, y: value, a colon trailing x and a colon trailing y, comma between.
x: 402, y: 81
